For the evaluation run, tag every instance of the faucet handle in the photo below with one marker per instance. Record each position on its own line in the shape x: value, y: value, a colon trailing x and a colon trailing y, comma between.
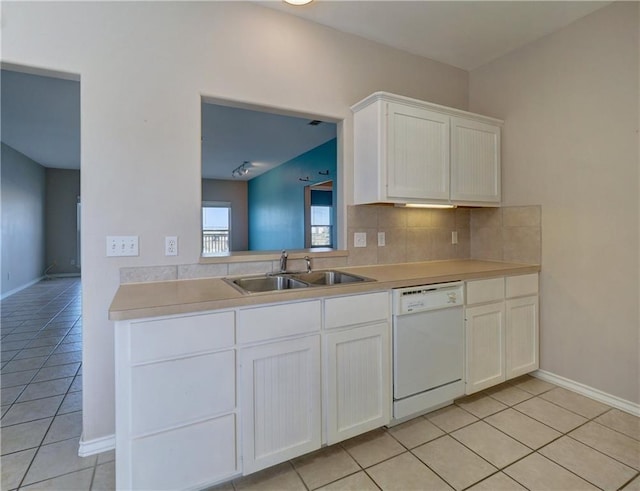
x: 308, y: 261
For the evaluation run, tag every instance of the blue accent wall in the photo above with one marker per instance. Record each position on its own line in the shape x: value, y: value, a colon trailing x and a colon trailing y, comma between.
x: 276, y: 199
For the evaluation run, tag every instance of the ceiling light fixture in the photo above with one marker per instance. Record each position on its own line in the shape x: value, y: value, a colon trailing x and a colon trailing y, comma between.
x: 297, y: 2
x: 241, y: 170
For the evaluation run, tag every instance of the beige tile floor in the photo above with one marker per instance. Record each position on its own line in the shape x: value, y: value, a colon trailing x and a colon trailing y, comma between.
x: 525, y: 434
x: 41, y: 389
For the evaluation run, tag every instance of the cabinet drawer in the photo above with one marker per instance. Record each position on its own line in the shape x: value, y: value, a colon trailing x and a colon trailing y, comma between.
x: 159, y: 391
x: 356, y: 309
x: 482, y: 291
x: 275, y: 321
x: 179, y: 336
x: 206, y: 452
x: 519, y: 286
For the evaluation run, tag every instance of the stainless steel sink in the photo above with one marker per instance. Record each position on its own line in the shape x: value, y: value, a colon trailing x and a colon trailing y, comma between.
x: 330, y: 277
x: 288, y: 281
x: 268, y: 283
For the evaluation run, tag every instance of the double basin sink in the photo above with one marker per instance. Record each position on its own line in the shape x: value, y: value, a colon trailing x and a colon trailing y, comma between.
x: 289, y: 281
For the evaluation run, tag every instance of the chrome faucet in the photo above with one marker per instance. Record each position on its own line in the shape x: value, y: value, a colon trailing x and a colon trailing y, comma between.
x: 308, y: 261
x: 283, y: 262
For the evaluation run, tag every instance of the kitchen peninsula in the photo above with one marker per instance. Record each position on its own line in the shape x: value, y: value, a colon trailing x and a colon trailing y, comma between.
x: 225, y: 383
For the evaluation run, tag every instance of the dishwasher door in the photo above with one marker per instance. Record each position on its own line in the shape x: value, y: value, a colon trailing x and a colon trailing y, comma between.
x: 428, y: 350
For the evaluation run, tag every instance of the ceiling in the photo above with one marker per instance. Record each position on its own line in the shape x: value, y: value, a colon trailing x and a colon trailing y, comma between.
x: 40, y: 118
x: 41, y: 115
x: 231, y: 136
x: 464, y: 34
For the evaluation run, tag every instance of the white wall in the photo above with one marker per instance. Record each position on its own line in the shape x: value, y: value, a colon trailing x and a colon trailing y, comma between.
x: 570, y: 143
x: 144, y: 67
x: 23, y: 220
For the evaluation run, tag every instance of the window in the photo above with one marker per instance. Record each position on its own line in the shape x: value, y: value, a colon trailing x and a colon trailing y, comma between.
x: 216, y: 227
x: 321, y: 227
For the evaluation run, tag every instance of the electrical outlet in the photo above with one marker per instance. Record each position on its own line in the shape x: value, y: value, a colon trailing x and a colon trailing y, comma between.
x: 360, y: 239
x: 171, y: 246
x: 454, y: 237
x: 381, y: 239
x: 122, y: 245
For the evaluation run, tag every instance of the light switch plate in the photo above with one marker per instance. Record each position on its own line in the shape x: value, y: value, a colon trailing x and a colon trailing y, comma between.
x: 360, y: 239
x: 122, y: 245
x: 381, y: 239
x: 454, y: 237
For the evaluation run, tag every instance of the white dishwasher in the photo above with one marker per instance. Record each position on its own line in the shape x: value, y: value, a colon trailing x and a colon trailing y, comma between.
x: 428, y: 348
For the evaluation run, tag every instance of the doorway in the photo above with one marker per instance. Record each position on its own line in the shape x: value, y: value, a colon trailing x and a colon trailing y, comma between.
x: 40, y: 118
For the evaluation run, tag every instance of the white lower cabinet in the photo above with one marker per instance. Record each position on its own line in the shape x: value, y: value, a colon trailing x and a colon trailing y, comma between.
x: 281, y: 407
x: 357, y: 380
x: 176, y: 421
x: 203, y: 398
x: 485, y: 346
x: 521, y: 336
x: 502, y: 330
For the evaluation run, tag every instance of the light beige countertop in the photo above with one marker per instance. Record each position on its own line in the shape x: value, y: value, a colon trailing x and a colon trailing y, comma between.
x: 138, y: 300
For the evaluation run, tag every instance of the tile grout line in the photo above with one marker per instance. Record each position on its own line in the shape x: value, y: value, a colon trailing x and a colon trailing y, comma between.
x: 304, y: 483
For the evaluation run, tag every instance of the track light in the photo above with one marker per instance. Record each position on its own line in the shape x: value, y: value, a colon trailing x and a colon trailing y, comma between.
x: 241, y: 170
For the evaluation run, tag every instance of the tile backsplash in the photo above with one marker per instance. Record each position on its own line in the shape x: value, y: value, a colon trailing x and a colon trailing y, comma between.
x: 511, y: 233
x: 411, y: 234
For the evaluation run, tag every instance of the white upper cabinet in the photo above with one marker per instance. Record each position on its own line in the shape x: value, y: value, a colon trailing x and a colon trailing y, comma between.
x: 418, y: 163
x: 475, y: 161
x: 410, y: 151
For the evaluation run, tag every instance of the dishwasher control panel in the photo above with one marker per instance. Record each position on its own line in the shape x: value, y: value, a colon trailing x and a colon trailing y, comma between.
x: 427, y: 297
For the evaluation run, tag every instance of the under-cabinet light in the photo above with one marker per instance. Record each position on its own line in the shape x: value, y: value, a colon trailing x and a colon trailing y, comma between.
x: 297, y: 2
x: 423, y: 205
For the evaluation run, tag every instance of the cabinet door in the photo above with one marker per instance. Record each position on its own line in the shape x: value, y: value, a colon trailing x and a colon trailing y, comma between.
x: 280, y: 390
x: 485, y: 346
x: 358, y: 381
x: 522, y: 336
x: 175, y: 402
x: 417, y: 153
x: 475, y: 161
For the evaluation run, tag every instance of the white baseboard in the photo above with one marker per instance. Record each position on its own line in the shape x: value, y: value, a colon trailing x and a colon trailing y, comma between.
x: 585, y: 390
x: 64, y: 275
x: 96, y: 446
x: 16, y: 290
